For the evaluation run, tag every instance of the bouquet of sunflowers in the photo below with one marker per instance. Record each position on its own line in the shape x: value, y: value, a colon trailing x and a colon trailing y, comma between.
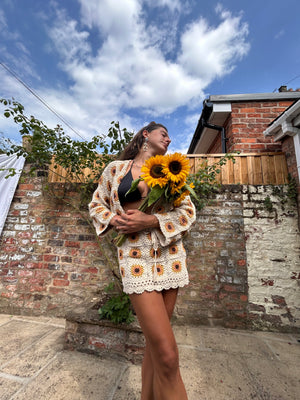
x: 166, y: 177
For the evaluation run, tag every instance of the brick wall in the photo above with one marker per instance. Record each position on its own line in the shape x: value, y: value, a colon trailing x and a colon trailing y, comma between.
x: 245, y: 126
x: 51, y: 264
x: 288, y: 148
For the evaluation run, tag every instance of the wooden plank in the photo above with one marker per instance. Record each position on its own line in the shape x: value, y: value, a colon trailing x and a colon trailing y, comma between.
x: 257, y: 171
x: 192, y: 165
x: 265, y: 166
x: 237, y: 170
x: 280, y: 169
x: 284, y: 168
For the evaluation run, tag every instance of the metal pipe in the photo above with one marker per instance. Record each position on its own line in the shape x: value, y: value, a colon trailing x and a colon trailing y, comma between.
x: 217, y: 128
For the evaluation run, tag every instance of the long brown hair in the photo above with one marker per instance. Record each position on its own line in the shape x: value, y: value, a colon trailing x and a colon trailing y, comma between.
x: 133, y: 148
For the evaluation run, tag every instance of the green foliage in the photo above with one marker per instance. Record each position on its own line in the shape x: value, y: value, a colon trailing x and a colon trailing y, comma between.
x: 74, y: 156
x: 285, y: 196
x: 292, y: 192
x: 268, y: 204
x: 117, y: 308
x: 205, y: 182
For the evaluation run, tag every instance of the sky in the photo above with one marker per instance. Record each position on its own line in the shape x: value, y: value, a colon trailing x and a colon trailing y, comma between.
x: 136, y: 61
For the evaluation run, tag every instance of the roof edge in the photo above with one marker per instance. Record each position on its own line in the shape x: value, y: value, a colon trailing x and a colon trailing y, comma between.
x: 254, y: 96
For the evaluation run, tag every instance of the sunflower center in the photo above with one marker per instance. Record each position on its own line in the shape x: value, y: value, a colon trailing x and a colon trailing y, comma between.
x: 175, y: 167
x: 156, y: 171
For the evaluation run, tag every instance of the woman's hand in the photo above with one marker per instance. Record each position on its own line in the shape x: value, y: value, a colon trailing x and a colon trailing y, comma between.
x: 134, y: 221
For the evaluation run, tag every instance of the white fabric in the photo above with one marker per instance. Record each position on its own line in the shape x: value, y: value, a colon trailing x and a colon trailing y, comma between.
x: 8, y: 185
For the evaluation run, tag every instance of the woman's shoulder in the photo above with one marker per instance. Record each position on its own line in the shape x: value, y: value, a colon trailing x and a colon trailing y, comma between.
x: 116, y: 166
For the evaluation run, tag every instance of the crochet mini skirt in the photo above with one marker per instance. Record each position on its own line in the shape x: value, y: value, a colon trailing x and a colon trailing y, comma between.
x: 146, y: 266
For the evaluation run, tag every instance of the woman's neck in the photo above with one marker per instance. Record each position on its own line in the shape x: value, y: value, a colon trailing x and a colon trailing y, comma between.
x: 140, y: 158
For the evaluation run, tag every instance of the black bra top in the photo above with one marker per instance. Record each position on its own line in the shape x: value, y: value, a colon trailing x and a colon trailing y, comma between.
x: 123, y: 188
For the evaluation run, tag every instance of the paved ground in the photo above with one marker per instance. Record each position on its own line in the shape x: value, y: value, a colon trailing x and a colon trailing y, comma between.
x: 216, y: 364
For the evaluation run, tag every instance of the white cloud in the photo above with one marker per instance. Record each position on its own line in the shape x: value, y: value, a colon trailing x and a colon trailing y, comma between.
x: 211, y: 52
x: 134, y: 66
x: 173, y: 5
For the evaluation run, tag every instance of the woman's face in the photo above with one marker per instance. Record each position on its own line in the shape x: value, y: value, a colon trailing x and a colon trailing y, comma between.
x: 158, y: 140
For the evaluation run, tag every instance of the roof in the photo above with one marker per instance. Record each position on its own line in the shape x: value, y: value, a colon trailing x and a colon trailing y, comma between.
x: 216, y: 110
x: 288, y: 123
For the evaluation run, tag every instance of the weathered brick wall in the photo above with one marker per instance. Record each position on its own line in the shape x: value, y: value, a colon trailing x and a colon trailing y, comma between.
x: 273, y: 258
x: 50, y: 262
x: 49, y: 259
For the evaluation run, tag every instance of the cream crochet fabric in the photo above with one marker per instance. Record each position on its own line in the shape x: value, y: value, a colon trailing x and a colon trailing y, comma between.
x: 149, y: 260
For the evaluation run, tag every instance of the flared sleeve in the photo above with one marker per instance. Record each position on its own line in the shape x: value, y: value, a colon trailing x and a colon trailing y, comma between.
x: 174, y: 223
x: 100, y: 207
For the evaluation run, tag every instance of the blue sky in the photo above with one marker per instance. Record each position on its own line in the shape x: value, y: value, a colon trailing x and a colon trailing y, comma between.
x: 141, y: 60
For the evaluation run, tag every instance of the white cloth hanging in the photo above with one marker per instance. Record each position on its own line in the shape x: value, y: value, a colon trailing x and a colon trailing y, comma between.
x: 8, y: 185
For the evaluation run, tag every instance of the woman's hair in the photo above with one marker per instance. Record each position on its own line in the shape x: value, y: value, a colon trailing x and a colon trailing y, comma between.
x: 133, y: 148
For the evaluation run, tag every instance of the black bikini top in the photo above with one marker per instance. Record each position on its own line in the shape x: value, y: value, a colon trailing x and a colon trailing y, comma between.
x: 123, y: 188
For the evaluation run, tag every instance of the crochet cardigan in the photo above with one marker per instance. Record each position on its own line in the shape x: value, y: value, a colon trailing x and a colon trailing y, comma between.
x: 174, y: 222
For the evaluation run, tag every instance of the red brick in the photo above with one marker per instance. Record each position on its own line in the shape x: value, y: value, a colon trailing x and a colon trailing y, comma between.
x: 72, y: 244
x: 60, y: 282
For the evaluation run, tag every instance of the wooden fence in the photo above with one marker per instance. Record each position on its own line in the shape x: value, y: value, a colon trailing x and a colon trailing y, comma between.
x: 248, y: 168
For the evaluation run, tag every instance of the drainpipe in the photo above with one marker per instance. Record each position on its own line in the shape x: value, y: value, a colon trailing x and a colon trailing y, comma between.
x: 217, y: 128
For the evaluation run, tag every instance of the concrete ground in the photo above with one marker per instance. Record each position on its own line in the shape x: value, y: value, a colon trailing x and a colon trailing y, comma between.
x: 216, y: 364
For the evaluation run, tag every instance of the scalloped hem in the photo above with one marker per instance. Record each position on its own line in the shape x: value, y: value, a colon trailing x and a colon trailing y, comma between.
x: 158, y: 288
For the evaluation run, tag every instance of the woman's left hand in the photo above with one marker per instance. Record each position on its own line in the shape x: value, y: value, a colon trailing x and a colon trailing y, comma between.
x: 134, y: 221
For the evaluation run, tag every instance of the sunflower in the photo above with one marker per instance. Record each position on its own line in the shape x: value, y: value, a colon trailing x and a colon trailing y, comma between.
x: 176, y: 167
x: 153, y: 171
x: 179, y: 199
x: 175, y: 187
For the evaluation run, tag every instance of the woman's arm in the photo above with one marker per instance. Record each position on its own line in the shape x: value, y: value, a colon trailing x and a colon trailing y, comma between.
x: 174, y: 223
x: 134, y: 221
x: 100, y: 206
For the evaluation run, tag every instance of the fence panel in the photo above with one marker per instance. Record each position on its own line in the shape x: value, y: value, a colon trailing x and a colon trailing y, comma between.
x: 248, y: 168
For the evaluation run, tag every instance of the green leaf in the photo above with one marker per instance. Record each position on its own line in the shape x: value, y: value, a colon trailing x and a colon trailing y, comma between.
x: 134, y: 185
x: 155, y: 193
x: 191, y: 190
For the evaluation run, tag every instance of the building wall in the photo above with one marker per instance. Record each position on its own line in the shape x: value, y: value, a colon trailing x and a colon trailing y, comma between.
x: 246, y: 124
x: 289, y: 149
x: 50, y: 262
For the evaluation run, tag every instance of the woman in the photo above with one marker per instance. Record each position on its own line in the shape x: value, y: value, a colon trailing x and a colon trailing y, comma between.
x: 152, y: 260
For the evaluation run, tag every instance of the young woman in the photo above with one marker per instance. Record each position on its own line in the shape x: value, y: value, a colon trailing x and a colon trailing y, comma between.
x: 152, y: 260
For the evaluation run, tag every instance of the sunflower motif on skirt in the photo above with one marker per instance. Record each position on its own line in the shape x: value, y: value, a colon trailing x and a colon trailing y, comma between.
x: 133, y: 238
x: 120, y: 254
x: 155, y: 253
x: 173, y: 249
x: 176, y: 266
x: 183, y: 220
x: 159, y: 269
x: 135, y: 253
x: 115, y: 196
x: 106, y: 214
x: 113, y: 171
x: 137, y: 270
x: 169, y: 227
x: 190, y: 212
x: 122, y: 270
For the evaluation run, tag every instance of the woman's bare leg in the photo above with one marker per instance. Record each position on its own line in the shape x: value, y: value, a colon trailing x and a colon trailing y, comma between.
x: 169, y: 297
x: 153, y: 310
